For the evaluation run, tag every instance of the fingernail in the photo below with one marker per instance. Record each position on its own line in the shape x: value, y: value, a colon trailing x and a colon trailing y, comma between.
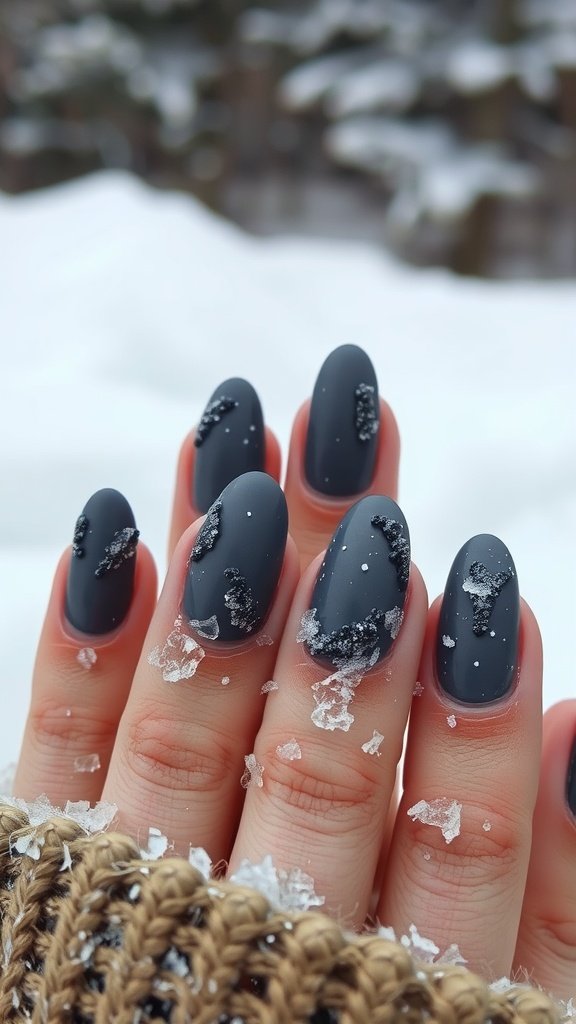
x: 342, y: 440
x: 360, y: 591
x: 236, y: 561
x: 477, y: 643
x: 101, y: 574
x: 571, y: 780
x: 229, y: 440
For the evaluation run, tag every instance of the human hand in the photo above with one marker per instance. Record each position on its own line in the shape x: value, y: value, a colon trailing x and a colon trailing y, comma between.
x: 171, y: 741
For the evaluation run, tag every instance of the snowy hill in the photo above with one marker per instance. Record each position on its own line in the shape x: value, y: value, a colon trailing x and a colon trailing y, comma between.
x: 122, y: 308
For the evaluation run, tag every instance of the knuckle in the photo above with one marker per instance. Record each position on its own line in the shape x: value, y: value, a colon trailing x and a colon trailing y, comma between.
x: 320, y: 793
x: 555, y: 937
x: 54, y: 727
x: 491, y: 849
x: 170, y: 755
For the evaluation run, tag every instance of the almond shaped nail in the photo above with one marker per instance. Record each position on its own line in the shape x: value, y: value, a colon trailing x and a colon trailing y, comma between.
x: 477, y: 641
x: 236, y: 561
x: 361, y: 588
x: 229, y: 440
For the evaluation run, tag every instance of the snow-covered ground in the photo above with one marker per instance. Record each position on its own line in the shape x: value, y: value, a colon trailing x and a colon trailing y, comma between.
x: 122, y: 308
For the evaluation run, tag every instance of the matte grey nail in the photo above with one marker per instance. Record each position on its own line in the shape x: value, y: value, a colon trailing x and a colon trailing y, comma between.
x: 359, y: 595
x: 229, y: 440
x: 342, y: 440
x: 571, y: 780
x: 101, y: 574
x: 236, y: 561
x: 477, y: 642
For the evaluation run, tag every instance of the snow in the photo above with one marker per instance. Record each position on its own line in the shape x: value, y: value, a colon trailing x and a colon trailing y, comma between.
x: 289, y: 751
x: 478, y: 65
x: 112, y: 314
x: 441, y: 813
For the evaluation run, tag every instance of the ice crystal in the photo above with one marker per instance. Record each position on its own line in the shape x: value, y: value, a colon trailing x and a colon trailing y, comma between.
x: 225, y: 680
x: 207, y: 628
x: 289, y: 751
x: 29, y: 845
x: 399, y: 546
x: 424, y: 949
x: 263, y: 640
x: 87, y: 657
x: 366, y: 412
x: 239, y: 599
x: 87, y: 763
x: 364, y: 566
x: 333, y: 695
x: 451, y: 719
x: 119, y: 550
x: 212, y: 415
x: 484, y: 588
x: 418, y: 690
x: 448, y: 641
x: 91, y: 819
x: 372, y: 746
x: 269, y: 686
x: 200, y: 860
x: 157, y: 845
x: 179, y: 657
x: 441, y: 813
x: 393, y: 619
x: 486, y: 826
x: 208, y: 533
x: 289, y: 891
x: 253, y: 772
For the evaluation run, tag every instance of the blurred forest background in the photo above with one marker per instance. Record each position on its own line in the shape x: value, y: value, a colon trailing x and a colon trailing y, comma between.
x: 443, y: 129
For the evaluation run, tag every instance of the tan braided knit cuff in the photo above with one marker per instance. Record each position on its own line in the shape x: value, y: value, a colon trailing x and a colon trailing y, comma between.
x: 92, y: 934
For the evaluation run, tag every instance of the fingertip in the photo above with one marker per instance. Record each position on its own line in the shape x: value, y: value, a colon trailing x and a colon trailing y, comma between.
x: 273, y: 459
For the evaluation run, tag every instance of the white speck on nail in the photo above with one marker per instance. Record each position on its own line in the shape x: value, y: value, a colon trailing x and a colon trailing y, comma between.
x: 364, y: 567
x: 476, y: 664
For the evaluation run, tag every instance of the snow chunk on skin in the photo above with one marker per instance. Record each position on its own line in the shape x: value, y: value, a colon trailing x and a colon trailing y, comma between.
x: 333, y: 694
x: 422, y: 948
x: 452, y: 722
x: 269, y: 686
x: 418, y: 690
x: 443, y: 813
x: 448, y: 641
x: 179, y: 657
x: 289, y: 751
x: 225, y: 680
x: 290, y: 891
x: 253, y: 773
x: 200, y: 860
x: 208, y: 628
x: 87, y: 657
x: 393, y: 619
x: 372, y: 746
x: 87, y: 763
x: 91, y: 819
x: 157, y: 845
x: 263, y: 640
x: 486, y: 826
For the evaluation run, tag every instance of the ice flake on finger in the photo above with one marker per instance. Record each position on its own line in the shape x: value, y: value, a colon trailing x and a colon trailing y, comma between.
x: 179, y: 657
x: 157, y: 845
x: 441, y: 813
x: 91, y: 819
x: 253, y: 772
x: 424, y: 949
x: 289, y: 751
x: 87, y: 763
x: 372, y: 746
x: 87, y: 657
x: 200, y: 860
x: 269, y: 686
x: 290, y: 891
x: 208, y: 628
x: 353, y: 651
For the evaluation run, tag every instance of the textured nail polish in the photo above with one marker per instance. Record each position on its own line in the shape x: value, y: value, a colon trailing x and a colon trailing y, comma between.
x: 342, y: 440
x: 101, y: 575
x: 477, y: 643
x: 360, y: 591
x: 571, y: 780
x: 236, y: 561
x: 229, y: 440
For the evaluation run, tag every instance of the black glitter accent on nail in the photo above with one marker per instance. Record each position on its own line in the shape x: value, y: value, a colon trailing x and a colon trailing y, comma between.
x: 366, y: 414
x: 354, y: 640
x: 79, y: 534
x: 209, y: 532
x: 399, y: 544
x: 212, y: 415
x: 239, y: 599
x: 119, y: 550
x: 483, y: 588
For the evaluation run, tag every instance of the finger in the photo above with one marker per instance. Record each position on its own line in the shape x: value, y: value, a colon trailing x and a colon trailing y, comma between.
x: 459, y: 856
x: 546, y: 949
x: 88, y: 650
x: 195, y: 704
x: 344, y: 444
x: 329, y: 761
x: 230, y: 439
